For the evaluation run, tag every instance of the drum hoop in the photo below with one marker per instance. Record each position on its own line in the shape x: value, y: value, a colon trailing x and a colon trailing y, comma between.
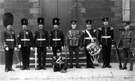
x: 96, y: 52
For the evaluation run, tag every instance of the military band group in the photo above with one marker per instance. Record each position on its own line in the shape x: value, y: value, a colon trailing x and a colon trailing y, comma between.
x: 55, y: 40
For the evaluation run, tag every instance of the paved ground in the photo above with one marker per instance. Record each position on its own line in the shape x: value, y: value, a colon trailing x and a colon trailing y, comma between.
x: 97, y: 74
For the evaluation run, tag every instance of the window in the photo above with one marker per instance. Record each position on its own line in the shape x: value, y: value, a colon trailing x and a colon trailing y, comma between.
x: 128, y: 11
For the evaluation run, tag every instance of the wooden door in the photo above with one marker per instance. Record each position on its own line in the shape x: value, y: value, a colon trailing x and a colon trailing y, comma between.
x: 62, y: 9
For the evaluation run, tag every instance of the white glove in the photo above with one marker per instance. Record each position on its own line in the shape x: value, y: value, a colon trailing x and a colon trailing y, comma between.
x: 62, y: 47
x: 6, y: 48
x: 19, y: 46
x: 15, y: 48
x: 100, y: 46
x: 35, y: 48
x: 112, y: 45
x: 47, y: 47
x: 31, y: 48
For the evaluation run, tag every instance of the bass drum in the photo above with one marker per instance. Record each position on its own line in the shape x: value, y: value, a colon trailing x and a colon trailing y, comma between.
x: 93, y: 48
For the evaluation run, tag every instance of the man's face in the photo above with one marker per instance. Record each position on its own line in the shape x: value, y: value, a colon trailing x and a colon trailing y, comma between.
x: 9, y: 27
x: 40, y: 26
x: 24, y: 26
x: 126, y: 27
x: 73, y: 26
x: 55, y: 26
x: 59, y: 53
x: 88, y: 26
x: 105, y: 23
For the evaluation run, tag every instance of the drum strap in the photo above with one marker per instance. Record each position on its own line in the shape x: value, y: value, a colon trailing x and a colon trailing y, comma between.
x: 89, y: 35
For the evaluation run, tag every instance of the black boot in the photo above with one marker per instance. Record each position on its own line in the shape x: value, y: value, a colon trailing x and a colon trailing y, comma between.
x: 78, y: 66
x: 125, y: 64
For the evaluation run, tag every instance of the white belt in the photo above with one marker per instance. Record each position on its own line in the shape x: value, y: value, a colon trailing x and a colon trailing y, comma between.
x: 9, y: 39
x: 88, y: 38
x: 106, y: 36
x: 56, y: 39
x: 25, y: 39
x: 41, y: 39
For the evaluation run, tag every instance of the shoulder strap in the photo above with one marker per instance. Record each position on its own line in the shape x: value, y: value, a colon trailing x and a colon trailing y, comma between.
x: 89, y: 34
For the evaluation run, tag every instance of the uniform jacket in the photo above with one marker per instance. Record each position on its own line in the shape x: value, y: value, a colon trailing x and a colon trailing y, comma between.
x: 73, y: 38
x: 59, y: 59
x: 25, y: 38
x: 9, y: 39
x: 85, y: 37
x: 56, y: 38
x: 41, y: 38
x: 127, y: 39
x: 106, y: 35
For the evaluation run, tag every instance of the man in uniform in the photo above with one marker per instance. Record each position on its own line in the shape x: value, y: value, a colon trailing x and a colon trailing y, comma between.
x: 73, y: 42
x: 105, y: 37
x: 25, y: 43
x: 87, y: 40
x: 41, y: 43
x: 56, y: 37
x: 59, y: 62
x: 9, y: 41
x: 127, y: 40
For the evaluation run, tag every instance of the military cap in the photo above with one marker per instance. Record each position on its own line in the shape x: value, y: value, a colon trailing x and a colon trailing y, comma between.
x: 24, y: 21
x: 73, y: 21
x: 126, y: 23
x: 56, y: 21
x: 40, y: 20
x: 105, y: 19
x: 58, y: 51
x: 88, y: 21
x: 8, y: 19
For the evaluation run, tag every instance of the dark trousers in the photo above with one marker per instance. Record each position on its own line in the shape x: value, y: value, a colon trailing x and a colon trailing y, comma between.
x: 128, y: 56
x: 41, y: 56
x: 55, y: 50
x: 9, y: 58
x: 88, y: 57
x: 25, y: 56
x: 76, y: 50
x: 59, y: 67
x: 106, y: 54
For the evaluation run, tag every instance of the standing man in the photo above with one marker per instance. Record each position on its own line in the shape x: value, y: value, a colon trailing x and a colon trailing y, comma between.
x: 41, y: 42
x: 86, y: 40
x: 25, y: 43
x: 56, y: 37
x: 73, y: 42
x: 127, y: 40
x: 105, y: 38
x: 9, y: 41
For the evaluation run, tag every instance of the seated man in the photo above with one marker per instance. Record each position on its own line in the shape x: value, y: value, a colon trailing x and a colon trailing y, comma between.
x: 59, y: 63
